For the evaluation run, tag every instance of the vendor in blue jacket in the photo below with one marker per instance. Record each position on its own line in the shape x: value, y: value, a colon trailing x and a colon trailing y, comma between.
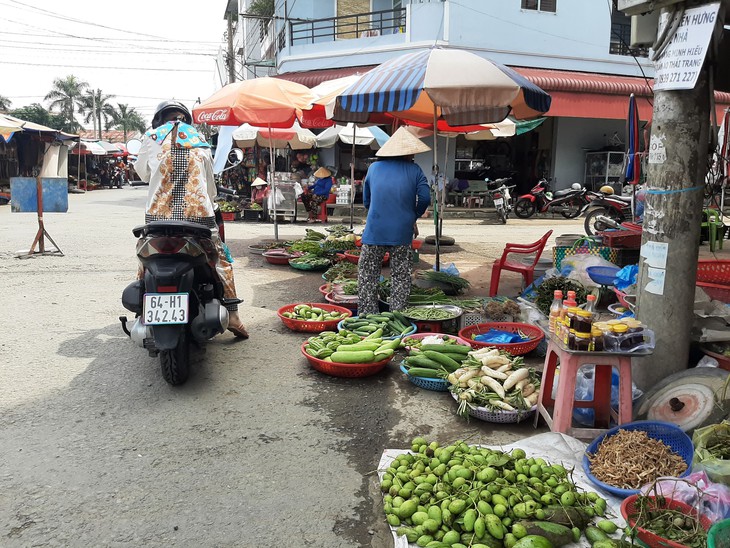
x: 396, y: 194
x: 317, y: 193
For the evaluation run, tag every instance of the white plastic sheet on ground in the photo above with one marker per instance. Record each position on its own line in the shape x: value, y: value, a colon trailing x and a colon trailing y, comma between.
x: 555, y: 448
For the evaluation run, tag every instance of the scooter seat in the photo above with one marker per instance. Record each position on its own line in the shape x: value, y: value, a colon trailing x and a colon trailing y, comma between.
x: 564, y: 192
x: 173, y: 228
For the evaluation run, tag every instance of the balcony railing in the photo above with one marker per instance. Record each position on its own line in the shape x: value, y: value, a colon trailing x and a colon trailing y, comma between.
x: 374, y: 23
x: 620, y: 39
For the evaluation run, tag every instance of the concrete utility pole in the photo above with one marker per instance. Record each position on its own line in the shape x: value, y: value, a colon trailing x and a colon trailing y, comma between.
x: 230, y: 60
x: 672, y: 216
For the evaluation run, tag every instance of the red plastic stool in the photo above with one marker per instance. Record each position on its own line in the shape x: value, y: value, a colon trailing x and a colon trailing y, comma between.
x: 323, y: 212
x: 570, y: 362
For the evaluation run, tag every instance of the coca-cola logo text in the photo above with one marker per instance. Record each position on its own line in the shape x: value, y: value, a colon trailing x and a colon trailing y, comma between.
x: 212, y: 116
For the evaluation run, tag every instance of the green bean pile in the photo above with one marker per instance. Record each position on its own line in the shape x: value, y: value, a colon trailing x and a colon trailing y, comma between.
x: 428, y: 313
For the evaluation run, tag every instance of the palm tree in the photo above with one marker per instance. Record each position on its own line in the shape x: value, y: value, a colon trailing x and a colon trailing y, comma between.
x: 65, y: 97
x: 127, y: 119
x: 96, y: 106
x: 5, y: 103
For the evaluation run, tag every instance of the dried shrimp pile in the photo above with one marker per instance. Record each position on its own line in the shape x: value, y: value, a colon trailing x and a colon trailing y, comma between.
x: 630, y: 459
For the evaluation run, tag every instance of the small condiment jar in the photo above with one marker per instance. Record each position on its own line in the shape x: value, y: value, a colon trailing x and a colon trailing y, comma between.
x: 582, y: 342
x: 571, y: 340
x: 620, y: 342
x: 583, y: 321
x: 572, y: 313
x: 636, y: 330
x: 596, y: 339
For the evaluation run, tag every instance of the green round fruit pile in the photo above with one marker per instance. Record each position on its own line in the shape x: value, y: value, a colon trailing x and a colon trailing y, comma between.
x: 462, y: 495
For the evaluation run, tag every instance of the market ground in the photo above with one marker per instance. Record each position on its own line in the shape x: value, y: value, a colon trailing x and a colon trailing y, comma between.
x: 256, y: 450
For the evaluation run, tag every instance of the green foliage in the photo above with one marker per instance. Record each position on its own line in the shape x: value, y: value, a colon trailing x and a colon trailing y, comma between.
x: 262, y: 8
x: 5, y: 103
x: 39, y: 115
x: 65, y: 97
x: 126, y: 119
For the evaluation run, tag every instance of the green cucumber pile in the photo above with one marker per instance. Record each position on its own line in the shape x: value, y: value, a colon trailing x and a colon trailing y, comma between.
x: 307, y: 313
x: 463, y: 496
x: 350, y: 348
x: 435, y: 360
x: 428, y: 313
x: 389, y: 324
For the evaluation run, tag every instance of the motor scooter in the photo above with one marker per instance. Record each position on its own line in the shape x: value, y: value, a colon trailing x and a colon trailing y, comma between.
x: 180, y: 299
x: 501, y: 197
x: 570, y: 202
x: 606, y: 211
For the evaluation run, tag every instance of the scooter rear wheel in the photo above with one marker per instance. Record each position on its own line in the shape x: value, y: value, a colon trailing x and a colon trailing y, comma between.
x: 175, y: 364
x: 593, y: 224
x: 524, y: 208
x: 571, y: 209
x: 502, y: 214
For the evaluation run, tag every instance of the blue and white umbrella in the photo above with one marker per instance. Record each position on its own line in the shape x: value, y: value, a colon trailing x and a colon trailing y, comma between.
x: 441, y: 86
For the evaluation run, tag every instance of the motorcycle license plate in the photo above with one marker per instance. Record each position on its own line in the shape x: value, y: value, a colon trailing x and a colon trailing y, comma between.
x: 165, y: 308
x: 498, y: 202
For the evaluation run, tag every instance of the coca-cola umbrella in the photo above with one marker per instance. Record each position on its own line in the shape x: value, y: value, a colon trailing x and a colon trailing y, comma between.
x: 453, y: 85
x: 264, y: 102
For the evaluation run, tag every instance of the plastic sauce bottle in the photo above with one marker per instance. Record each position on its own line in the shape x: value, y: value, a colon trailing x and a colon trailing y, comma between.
x: 555, y: 309
x: 590, y: 303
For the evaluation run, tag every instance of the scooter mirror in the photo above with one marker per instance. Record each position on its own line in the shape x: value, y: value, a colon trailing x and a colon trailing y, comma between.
x: 235, y: 156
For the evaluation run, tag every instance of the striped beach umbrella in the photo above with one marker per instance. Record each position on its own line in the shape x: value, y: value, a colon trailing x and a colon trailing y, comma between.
x: 441, y: 87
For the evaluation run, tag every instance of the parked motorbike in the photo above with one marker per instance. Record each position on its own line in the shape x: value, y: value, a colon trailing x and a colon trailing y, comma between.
x: 501, y: 198
x: 180, y: 299
x: 606, y: 211
x: 570, y: 203
x: 118, y: 178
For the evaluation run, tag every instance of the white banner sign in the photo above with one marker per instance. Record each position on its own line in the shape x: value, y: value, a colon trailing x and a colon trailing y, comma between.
x: 680, y: 65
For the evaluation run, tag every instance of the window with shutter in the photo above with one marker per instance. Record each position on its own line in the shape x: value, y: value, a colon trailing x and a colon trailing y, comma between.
x: 540, y: 5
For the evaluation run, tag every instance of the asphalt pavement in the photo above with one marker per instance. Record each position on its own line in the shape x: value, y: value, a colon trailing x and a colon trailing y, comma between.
x: 256, y: 450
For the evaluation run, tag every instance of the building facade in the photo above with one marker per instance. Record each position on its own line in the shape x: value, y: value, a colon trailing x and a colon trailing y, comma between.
x: 577, y: 50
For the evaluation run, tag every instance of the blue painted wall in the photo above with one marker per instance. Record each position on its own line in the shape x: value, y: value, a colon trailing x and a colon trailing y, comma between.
x: 24, y: 194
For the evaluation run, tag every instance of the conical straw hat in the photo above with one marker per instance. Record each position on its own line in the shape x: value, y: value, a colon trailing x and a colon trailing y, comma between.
x: 402, y: 143
x: 258, y: 181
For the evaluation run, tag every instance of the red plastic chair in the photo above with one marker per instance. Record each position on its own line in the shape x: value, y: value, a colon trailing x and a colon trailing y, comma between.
x: 527, y: 270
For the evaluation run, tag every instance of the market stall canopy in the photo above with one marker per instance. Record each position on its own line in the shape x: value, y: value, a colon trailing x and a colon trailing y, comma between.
x: 89, y: 147
x: 110, y: 148
x: 122, y: 149
x: 296, y: 137
x: 266, y: 101
x: 350, y: 134
x: 320, y: 115
x: 11, y: 124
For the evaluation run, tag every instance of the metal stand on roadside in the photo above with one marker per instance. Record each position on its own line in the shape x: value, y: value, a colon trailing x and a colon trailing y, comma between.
x: 42, y: 234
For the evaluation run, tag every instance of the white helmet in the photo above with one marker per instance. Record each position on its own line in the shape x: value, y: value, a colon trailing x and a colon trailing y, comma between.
x: 576, y: 186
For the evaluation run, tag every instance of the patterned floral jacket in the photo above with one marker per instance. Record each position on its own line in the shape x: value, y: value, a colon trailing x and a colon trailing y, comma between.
x: 176, y: 162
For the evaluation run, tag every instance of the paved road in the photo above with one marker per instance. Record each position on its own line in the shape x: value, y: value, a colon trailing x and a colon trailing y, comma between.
x: 256, y: 449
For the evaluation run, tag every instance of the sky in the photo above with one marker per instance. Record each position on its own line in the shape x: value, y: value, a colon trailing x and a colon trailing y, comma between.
x: 141, y: 51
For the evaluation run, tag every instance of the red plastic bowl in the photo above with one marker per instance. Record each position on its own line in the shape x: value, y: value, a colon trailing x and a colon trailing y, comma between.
x: 325, y: 288
x: 312, y: 327
x: 345, y: 369
x: 280, y: 258
x: 330, y: 299
x: 628, y: 510
x: 416, y: 244
x: 355, y: 258
x: 535, y: 335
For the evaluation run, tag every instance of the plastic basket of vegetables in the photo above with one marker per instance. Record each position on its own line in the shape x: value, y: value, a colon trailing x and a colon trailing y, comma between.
x: 346, y: 354
x: 530, y: 336
x: 309, y: 262
x: 353, y: 256
x: 390, y: 325
x: 431, y: 356
x: 654, y: 519
x: 312, y: 318
x: 494, y: 386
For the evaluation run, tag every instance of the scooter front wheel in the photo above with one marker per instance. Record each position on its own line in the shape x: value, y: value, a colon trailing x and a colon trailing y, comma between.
x: 525, y: 208
x: 571, y: 210
x: 502, y: 215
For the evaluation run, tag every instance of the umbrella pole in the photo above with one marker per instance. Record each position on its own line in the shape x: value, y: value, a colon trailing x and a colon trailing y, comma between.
x: 273, y: 185
x: 443, y: 188
x: 436, y: 191
x: 352, y: 176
